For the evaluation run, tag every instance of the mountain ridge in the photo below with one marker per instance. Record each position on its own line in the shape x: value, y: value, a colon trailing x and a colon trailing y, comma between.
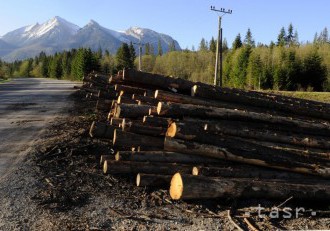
x: 58, y: 34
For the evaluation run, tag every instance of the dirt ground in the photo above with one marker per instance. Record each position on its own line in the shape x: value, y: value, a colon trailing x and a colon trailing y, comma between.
x: 60, y: 186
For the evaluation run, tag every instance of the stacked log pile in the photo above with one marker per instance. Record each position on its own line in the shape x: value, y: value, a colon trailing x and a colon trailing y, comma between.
x: 202, y: 141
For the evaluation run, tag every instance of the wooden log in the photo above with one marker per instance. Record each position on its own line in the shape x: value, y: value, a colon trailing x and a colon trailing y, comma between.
x: 146, y: 143
x: 108, y: 94
x: 181, y: 110
x: 103, y: 104
x: 269, y: 160
x: 131, y: 167
x: 153, y: 180
x: 116, y: 122
x: 156, y: 121
x: 125, y: 100
x: 159, y: 81
x: 106, y: 157
x: 132, y: 110
x: 199, y: 187
x: 101, y: 130
x: 140, y: 128
x: 130, y: 90
x: 277, y: 137
x: 213, y: 93
x: 165, y: 157
x: 145, y: 100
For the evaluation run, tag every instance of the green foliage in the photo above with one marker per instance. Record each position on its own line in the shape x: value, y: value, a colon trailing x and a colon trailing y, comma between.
x: 237, y: 42
x: 160, y: 49
x: 124, y: 57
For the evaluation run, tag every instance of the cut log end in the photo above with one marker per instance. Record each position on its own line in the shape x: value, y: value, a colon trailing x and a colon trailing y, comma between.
x: 176, y: 188
x: 138, y: 179
x: 117, y: 113
x: 105, y: 166
x: 156, y: 94
x: 171, y: 130
x: 195, y: 171
x: 114, y: 137
x: 159, y: 107
x: 193, y: 90
x: 91, y: 130
x: 145, y: 118
x: 117, y: 156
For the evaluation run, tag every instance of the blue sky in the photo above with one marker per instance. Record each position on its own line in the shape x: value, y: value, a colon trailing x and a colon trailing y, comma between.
x: 185, y: 20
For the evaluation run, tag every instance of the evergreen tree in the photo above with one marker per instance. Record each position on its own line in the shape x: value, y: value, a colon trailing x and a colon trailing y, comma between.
x: 56, y: 67
x: 224, y: 45
x: 249, y: 41
x: 213, y: 45
x: 290, y: 36
x: 203, y: 45
x: 123, y: 57
x: 147, y: 49
x: 281, y: 38
x: 132, y: 54
x: 324, y: 36
x: 237, y: 42
x: 160, y: 49
x: 172, y: 46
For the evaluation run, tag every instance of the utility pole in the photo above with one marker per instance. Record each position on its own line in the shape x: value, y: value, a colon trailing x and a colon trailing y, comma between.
x: 140, y: 54
x: 219, y: 47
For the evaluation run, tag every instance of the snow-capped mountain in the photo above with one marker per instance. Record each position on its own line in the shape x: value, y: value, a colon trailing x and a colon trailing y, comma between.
x: 57, y: 34
x: 56, y: 31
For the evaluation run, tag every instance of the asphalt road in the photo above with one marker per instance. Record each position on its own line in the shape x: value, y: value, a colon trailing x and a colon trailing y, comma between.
x: 27, y: 105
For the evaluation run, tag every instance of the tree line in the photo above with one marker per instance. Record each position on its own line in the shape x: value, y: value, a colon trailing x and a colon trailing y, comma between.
x: 285, y: 64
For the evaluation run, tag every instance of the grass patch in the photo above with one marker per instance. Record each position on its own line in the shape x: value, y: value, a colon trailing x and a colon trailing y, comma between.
x: 3, y: 80
x: 316, y: 96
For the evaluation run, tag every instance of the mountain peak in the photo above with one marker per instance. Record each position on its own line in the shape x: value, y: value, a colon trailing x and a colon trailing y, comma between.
x: 92, y: 23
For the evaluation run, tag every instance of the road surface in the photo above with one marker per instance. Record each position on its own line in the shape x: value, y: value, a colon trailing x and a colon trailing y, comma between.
x: 27, y: 105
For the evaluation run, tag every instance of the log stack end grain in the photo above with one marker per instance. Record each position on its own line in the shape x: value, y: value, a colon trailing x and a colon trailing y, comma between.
x: 203, y: 141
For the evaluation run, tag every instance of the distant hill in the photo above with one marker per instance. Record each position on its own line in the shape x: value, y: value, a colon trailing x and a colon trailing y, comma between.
x: 57, y: 34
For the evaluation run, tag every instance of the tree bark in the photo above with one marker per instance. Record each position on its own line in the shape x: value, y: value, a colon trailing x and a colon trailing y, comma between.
x: 103, y: 105
x: 128, y: 140
x: 198, y: 187
x: 130, y: 167
x: 101, y: 130
x: 269, y: 160
x: 167, y: 157
x: 277, y: 137
x: 159, y: 81
x: 145, y: 100
x: 132, y: 111
x: 157, y: 121
x: 153, y: 180
x: 117, y: 122
x: 140, y: 128
x: 129, y: 90
x: 181, y: 110
x: 221, y: 94
x: 125, y: 100
x: 108, y: 94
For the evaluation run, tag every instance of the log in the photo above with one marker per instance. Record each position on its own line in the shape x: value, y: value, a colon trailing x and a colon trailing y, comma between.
x: 130, y: 167
x: 214, y: 93
x: 156, y: 121
x: 159, y: 81
x: 132, y: 110
x: 153, y: 180
x: 198, y: 187
x: 130, y: 90
x: 101, y: 130
x: 108, y: 94
x: 125, y: 100
x: 140, y: 128
x: 145, y: 100
x: 269, y: 160
x: 104, y: 105
x: 165, y: 96
x: 277, y: 137
x: 181, y: 110
x: 146, y: 143
x: 116, y: 122
x: 106, y: 157
x: 165, y: 157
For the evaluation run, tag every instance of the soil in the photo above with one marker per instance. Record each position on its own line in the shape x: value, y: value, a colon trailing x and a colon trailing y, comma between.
x: 59, y: 185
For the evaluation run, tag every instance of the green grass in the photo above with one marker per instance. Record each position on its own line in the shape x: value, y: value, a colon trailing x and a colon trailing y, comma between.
x: 316, y: 96
x: 3, y: 80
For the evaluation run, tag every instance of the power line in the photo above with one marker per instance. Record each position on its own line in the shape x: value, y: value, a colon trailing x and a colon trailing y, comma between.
x: 219, y: 46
